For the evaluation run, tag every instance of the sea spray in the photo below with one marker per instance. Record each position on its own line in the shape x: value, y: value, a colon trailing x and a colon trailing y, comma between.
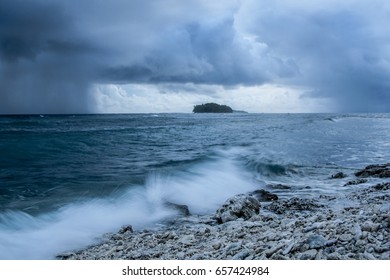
x: 76, y: 226
x: 202, y: 188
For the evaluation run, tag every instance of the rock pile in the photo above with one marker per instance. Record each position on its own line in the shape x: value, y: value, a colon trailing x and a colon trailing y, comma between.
x: 244, y: 228
x: 375, y: 170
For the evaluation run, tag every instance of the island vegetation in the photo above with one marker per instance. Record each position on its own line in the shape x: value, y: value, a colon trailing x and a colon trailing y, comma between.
x: 212, y: 108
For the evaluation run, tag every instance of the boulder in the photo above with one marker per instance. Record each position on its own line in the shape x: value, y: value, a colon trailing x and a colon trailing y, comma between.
x: 382, y: 187
x: 338, y: 175
x: 263, y: 195
x: 356, y: 182
x: 127, y: 228
x: 375, y: 170
x: 239, y: 206
x: 180, y: 208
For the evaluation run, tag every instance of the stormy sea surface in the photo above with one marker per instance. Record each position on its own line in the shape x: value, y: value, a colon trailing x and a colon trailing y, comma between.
x: 67, y: 180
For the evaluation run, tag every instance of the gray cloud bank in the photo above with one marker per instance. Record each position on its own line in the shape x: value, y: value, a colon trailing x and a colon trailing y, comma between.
x: 51, y: 52
x: 44, y: 64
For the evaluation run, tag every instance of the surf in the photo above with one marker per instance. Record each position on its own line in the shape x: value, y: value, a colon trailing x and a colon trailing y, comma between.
x: 202, y: 187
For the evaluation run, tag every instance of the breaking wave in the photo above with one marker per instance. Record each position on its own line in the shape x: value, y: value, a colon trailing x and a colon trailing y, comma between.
x: 203, y: 187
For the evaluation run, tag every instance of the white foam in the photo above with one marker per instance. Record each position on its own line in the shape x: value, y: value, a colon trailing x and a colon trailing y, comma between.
x: 202, y: 188
x: 74, y: 226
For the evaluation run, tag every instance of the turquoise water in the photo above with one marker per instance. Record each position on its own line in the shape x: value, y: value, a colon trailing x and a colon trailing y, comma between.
x: 65, y: 180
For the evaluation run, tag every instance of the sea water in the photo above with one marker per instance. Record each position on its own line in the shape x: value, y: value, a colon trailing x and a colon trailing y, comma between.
x: 66, y: 180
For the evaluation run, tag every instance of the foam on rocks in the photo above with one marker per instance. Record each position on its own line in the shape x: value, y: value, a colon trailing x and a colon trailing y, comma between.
x: 245, y: 228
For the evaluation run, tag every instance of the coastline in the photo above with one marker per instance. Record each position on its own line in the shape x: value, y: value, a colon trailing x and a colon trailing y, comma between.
x: 354, y: 225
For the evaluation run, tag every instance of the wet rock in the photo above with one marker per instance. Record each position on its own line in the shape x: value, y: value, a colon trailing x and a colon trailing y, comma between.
x: 263, y: 195
x: 180, y: 208
x: 339, y: 175
x: 239, y: 206
x: 382, y: 187
x: 118, y: 236
x: 327, y: 197
x: 66, y: 256
x: 356, y: 182
x: 294, y: 203
x: 278, y: 186
x: 126, y: 229
x: 375, y: 170
x: 295, y: 228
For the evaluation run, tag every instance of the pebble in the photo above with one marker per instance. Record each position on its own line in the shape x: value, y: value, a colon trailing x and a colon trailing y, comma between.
x: 316, y: 241
x: 216, y: 246
x: 385, y: 208
x: 241, y: 255
x: 273, y: 250
x: 187, y: 240
x: 314, y: 226
x: 345, y: 237
x: 232, y: 247
x: 294, y: 228
x: 288, y: 248
x: 369, y: 256
x: 309, y: 254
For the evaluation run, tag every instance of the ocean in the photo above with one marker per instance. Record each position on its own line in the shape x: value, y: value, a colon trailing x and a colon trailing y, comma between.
x: 65, y: 180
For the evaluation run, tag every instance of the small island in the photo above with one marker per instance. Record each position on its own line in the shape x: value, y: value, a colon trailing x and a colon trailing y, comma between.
x: 212, y: 108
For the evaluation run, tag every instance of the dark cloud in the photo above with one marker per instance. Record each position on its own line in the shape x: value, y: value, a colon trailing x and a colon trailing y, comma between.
x: 126, y: 74
x: 45, y: 65
x: 24, y: 28
x: 211, y: 52
x: 51, y: 52
x: 340, y: 50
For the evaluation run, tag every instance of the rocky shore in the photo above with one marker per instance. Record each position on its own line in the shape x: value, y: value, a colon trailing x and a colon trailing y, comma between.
x: 259, y: 225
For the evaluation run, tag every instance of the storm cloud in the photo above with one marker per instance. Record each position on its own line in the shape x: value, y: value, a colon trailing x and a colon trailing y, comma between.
x: 342, y: 49
x: 45, y: 65
x: 207, y: 53
x: 52, y: 52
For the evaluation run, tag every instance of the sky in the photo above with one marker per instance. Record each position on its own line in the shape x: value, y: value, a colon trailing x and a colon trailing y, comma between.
x: 135, y: 56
